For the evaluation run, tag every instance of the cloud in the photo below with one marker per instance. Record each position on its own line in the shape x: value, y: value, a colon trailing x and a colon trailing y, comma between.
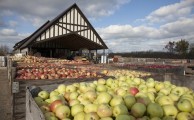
x: 129, y: 38
x: 171, y: 12
x: 38, y: 11
x: 8, y: 32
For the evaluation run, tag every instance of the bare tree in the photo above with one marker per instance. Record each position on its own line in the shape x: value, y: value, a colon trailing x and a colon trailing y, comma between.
x: 4, y: 49
x: 170, y: 46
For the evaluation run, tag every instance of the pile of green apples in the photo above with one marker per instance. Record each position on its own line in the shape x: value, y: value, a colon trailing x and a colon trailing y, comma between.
x: 122, y: 98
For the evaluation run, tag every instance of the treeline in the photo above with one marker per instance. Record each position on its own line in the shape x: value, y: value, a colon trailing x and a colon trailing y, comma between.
x: 151, y: 54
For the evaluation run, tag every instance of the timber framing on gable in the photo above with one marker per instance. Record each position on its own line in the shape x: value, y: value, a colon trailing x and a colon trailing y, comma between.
x: 70, y: 26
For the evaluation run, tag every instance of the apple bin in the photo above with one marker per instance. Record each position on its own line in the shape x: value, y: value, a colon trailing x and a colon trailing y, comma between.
x: 119, y: 98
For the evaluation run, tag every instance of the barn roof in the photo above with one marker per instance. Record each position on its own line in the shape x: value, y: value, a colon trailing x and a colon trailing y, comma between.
x: 69, y: 30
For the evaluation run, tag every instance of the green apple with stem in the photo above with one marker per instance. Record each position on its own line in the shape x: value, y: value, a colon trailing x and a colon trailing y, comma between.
x: 70, y: 88
x: 178, y: 91
x: 170, y: 110
x: 184, y: 105
x: 43, y: 94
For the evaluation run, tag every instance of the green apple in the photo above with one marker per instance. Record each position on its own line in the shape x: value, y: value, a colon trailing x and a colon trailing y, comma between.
x: 76, y: 85
x: 53, y: 98
x: 101, y: 88
x: 80, y: 116
x: 170, y: 110
x: 70, y: 88
x: 90, y: 108
x: 143, y: 88
x: 62, y: 111
x: 61, y: 88
x: 120, y: 109
x: 125, y: 117
x: 43, y: 94
x: 39, y: 101
x: 178, y: 91
x: 73, y: 95
x: 165, y: 91
x: 154, y: 110
x: 104, y: 97
x: 137, y: 81
x: 50, y: 116
x: 184, y: 116
x: 101, y: 81
x: 174, y: 97
x: 187, y: 96
x: 159, y: 86
x: 45, y: 108
x: 121, y: 92
x: 109, y: 81
x: 116, y: 100
x: 165, y: 100
x: 114, y: 86
x: 191, y: 100
x: 90, y: 95
x: 92, y: 85
x: 54, y: 93
x: 48, y: 101
x: 184, y: 105
x: 104, y: 110
x: 129, y: 101
x: 150, y: 84
x: 151, y: 96
x: 153, y: 90
x: 138, y: 110
x: 91, y: 116
x: 76, y: 109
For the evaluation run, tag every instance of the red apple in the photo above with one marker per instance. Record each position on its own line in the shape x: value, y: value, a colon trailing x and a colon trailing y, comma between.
x: 55, y: 104
x: 133, y: 91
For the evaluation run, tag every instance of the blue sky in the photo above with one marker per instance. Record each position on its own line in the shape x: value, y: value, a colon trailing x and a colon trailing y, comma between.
x: 124, y: 25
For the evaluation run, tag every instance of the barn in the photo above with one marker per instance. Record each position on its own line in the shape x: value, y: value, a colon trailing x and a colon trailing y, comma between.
x: 70, y: 32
